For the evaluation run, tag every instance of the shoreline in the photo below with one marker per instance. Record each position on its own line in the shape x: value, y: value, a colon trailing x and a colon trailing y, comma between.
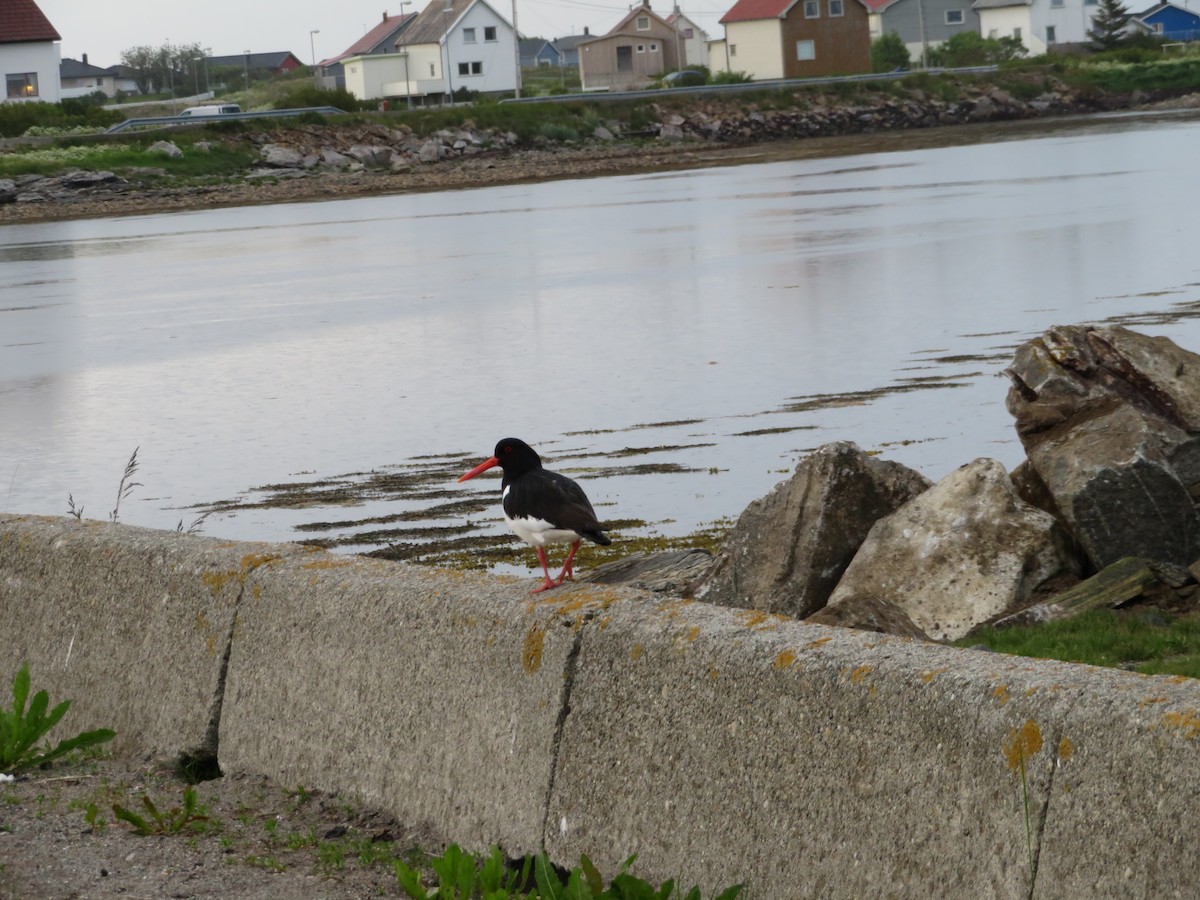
x: 519, y: 166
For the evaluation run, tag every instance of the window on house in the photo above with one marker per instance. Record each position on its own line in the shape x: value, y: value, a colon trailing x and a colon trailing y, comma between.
x: 955, y: 17
x: 641, y: 48
x: 1017, y: 33
x: 1158, y: 27
x: 468, y: 35
x: 470, y: 68
x: 432, y: 73
x: 625, y: 59
x: 1051, y: 38
x: 489, y: 32
x: 688, y: 34
x: 836, y: 9
x: 22, y: 84
x: 806, y: 50
x: 812, y: 9
x: 733, y: 49
x: 654, y: 48
x: 643, y: 23
x: 1056, y: 3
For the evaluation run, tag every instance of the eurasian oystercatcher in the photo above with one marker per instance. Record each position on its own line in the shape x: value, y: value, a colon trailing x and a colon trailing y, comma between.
x: 541, y: 506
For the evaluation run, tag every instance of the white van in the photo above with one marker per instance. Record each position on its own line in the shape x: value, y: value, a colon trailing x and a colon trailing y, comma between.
x: 216, y: 109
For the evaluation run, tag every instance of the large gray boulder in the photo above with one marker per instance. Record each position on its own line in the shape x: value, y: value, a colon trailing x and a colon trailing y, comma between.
x: 960, y: 553
x: 1110, y: 422
x: 789, y: 548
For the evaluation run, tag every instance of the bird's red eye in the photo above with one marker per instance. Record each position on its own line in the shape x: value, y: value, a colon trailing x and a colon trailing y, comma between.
x: 508, y: 449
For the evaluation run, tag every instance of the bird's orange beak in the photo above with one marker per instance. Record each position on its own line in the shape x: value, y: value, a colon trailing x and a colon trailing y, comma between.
x: 479, y: 469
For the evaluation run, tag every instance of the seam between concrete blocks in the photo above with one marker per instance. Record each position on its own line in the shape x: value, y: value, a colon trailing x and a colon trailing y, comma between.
x: 1044, y: 813
x: 213, y: 731
x: 564, y: 709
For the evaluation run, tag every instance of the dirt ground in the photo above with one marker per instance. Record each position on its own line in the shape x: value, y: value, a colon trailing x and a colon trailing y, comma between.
x: 258, y: 840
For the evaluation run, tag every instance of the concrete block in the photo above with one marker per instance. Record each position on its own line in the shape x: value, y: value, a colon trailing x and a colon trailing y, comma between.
x: 434, y: 695
x: 131, y: 625
x: 725, y: 746
x: 1123, y: 816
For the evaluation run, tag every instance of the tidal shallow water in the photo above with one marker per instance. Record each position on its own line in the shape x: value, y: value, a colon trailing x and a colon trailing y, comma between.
x: 677, y: 341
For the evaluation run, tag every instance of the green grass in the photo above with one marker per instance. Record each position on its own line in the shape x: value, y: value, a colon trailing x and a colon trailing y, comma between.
x: 1148, y: 642
x: 116, y: 156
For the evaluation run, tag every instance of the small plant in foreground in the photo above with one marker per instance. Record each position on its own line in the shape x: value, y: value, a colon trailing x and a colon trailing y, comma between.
x: 21, y: 728
x: 460, y: 875
x: 125, y: 488
x: 173, y: 821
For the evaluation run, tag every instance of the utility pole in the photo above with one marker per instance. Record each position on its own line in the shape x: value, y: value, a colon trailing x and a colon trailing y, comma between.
x: 404, y: 50
x: 517, y: 47
x: 312, y: 47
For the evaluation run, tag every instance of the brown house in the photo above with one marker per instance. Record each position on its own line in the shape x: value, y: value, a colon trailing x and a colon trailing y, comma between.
x: 770, y: 39
x: 638, y: 51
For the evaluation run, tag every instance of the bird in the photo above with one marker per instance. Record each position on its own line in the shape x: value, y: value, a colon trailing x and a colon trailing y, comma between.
x: 542, y: 507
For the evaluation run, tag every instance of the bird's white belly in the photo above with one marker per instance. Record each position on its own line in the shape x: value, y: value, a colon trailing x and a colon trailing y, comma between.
x: 538, y: 532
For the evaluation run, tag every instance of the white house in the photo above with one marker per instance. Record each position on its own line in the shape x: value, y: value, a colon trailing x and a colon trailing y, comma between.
x: 447, y: 47
x: 693, y: 40
x: 1037, y: 24
x: 29, y: 53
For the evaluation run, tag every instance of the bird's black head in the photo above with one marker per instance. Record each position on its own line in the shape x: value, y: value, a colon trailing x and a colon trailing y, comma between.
x: 516, y: 457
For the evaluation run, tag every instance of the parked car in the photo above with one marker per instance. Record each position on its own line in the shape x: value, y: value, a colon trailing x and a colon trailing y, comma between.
x: 214, y: 109
x: 683, y: 78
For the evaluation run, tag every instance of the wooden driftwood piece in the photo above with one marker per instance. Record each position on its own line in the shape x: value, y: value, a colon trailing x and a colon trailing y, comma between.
x: 1112, y: 586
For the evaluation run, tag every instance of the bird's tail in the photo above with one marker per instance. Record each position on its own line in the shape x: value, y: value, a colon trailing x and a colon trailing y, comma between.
x: 598, y: 537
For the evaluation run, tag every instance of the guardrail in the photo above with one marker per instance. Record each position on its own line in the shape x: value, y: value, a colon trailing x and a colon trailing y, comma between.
x: 171, y: 121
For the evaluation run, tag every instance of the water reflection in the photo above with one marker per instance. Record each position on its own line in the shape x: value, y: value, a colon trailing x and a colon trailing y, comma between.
x: 722, y: 320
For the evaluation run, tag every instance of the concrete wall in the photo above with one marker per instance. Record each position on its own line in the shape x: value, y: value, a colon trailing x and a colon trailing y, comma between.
x: 719, y: 745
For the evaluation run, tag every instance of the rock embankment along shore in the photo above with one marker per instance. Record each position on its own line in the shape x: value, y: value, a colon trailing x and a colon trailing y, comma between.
x: 311, y: 162
x: 719, y: 745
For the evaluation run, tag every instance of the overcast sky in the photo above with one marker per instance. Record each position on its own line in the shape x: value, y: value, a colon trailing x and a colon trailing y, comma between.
x: 103, y: 29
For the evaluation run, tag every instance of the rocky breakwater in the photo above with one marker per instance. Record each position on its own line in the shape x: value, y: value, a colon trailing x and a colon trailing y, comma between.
x: 1103, y: 509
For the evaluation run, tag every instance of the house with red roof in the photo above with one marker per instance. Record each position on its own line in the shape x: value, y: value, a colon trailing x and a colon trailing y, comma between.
x: 635, y: 53
x: 29, y: 53
x: 769, y: 39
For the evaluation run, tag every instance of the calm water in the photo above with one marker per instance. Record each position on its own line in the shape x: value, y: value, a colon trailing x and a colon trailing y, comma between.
x: 695, y: 311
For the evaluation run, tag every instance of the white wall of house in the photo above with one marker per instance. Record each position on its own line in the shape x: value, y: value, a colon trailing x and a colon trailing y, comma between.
x: 717, y: 58
x: 491, y: 65
x: 425, y: 74
x: 367, y: 75
x: 1009, y: 21
x: 39, y: 59
x: 755, y: 48
x: 1070, y: 19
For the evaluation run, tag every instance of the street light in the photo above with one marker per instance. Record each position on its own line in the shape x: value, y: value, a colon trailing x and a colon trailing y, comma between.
x: 404, y: 50
x: 449, y: 8
x: 247, y: 71
x: 313, y: 49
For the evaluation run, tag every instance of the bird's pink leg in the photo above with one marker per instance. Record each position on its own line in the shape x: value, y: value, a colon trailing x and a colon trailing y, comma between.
x: 568, y: 571
x: 547, y: 584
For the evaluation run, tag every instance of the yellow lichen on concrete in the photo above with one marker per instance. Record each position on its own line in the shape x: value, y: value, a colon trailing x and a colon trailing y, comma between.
x: 330, y: 563
x: 759, y: 619
x: 636, y: 651
x: 1186, y: 721
x: 819, y: 642
x: 1021, y: 744
x: 1150, y: 701
x: 785, y: 659
x: 929, y: 674
x: 1000, y: 694
x: 531, y: 651
x: 714, y: 673
x: 860, y: 674
x: 1066, y: 749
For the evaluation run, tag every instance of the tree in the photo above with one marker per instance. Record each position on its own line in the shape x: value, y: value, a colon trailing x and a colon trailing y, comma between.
x: 1108, y: 25
x: 888, y: 53
x: 158, y: 69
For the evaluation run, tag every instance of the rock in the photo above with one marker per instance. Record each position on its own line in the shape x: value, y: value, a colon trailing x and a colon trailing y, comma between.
x: 869, y: 613
x: 603, y: 134
x: 670, y: 572
x: 966, y: 550
x: 8, y: 190
x: 1110, y: 422
x: 669, y: 132
x: 372, y: 156
x: 1117, y: 584
x: 431, y: 151
x: 281, y: 156
x: 80, y: 179
x: 166, y: 148
x: 788, y: 549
